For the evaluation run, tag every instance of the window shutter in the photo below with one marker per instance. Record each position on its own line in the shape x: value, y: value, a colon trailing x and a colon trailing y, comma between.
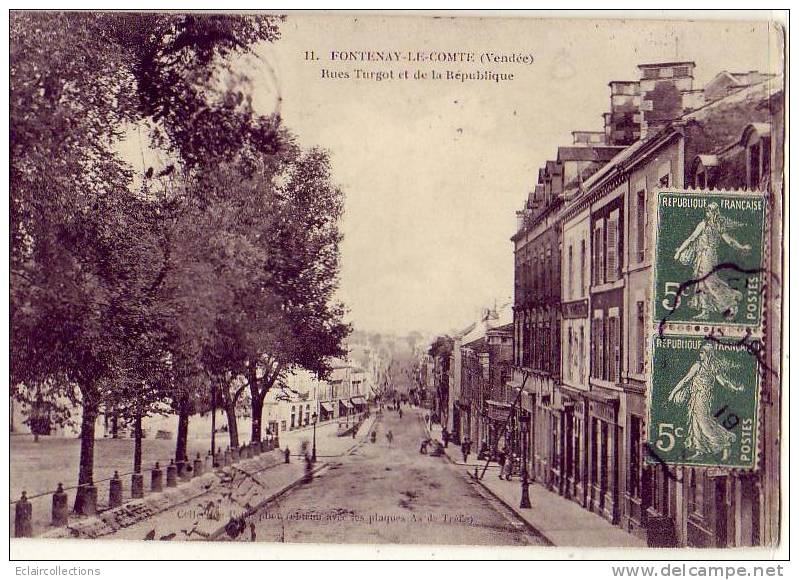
x: 616, y: 349
x: 641, y: 225
x: 612, y: 249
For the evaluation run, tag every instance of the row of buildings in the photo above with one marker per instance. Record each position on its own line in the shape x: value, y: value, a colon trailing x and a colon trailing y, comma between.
x: 344, y: 395
x: 291, y: 404
x: 563, y: 373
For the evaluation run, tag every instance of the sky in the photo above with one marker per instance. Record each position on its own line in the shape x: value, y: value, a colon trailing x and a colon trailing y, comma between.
x: 434, y: 170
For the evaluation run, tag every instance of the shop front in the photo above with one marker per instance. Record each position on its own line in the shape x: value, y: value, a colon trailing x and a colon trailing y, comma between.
x: 603, y: 460
x: 358, y: 403
x: 326, y: 411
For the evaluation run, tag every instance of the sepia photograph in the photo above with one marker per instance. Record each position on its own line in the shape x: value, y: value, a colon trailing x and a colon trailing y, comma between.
x: 403, y: 279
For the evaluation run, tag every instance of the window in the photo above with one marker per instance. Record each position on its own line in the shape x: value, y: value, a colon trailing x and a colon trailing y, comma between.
x: 700, y: 179
x: 599, y: 253
x: 597, y: 345
x: 754, y: 166
x: 569, y: 350
x: 640, y: 323
x: 766, y: 155
x: 570, y: 287
x: 640, y: 224
x: 613, y: 347
x: 697, y: 485
x: 612, y: 250
x: 582, y: 268
x: 635, y: 456
x: 581, y: 354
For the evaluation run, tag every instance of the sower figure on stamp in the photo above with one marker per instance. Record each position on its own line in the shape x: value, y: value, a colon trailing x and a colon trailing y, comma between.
x: 705, y: 435
x: 700, y: 250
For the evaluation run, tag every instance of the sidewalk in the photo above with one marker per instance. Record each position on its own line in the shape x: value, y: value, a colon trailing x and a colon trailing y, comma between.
x: 561, y: 521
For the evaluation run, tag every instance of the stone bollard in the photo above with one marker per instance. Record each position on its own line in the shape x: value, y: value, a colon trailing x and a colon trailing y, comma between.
x: 209, y: 462
x: 198, y: 466
x: 171, y: 474
x: 137, y: 486
x: 219, y: 458
x: 188, y: 470
x: 234, y: 454
x: 226, y: 459
x: 23, y: 527
x: 87, y: 501
x: 60, y: 508
x: 115, y: 491
x: 157, y: 480
x: 287, y: 455
x: 255, y: 448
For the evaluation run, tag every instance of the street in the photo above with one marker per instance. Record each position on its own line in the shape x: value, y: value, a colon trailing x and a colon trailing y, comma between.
x: 390, y: 493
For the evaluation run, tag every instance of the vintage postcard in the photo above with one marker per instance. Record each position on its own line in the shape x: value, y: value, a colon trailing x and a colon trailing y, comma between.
x: 385, y: 280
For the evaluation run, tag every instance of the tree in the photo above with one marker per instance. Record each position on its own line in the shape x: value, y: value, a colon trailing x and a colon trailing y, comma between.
x: 306, y: 324
x: 83, y: 275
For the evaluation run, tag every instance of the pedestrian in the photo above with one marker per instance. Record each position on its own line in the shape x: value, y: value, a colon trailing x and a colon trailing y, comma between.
x: 445, y: 436
x: 400, y: 413
x: 466, y: 447
x: 508, y: 468
x: 423, y: 447
x: 390, y: 436
x: 427, y: 419
x: 501, y: 457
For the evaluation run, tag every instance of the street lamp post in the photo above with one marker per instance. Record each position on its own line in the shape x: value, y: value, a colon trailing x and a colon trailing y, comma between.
x: 313, y: 449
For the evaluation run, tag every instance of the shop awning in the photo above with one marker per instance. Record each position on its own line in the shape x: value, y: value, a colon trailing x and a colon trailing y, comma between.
x: 327, y: 407
x: 346, y: 403
x: 358, y: 401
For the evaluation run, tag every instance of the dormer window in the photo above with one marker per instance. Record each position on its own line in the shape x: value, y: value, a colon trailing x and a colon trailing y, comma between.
x: 702, y: 171
x: 756, y: 140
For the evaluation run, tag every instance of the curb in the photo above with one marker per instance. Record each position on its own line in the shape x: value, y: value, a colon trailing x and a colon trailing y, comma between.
x: 530, y: 527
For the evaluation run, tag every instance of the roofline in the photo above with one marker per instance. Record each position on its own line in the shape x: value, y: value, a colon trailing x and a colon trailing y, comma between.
x: 662, y: 64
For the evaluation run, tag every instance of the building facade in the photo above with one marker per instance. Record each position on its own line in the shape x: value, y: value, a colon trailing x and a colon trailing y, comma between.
x: 582, y: 308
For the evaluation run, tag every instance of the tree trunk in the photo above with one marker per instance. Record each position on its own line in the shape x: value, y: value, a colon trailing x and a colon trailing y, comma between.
x: 257, y: 414
x: 232, y: 425
x: 181, y: 446
x: 257, y: 403
x: 86, y: 466
x: 137, y: 442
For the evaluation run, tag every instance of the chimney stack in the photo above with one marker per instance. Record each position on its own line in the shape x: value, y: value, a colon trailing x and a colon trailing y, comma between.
x: 622, y: 123
x: 663, y: 93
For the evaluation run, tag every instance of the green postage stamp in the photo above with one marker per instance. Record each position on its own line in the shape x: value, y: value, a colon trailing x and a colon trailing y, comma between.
x: 709, y: 258
x: 703, y: 402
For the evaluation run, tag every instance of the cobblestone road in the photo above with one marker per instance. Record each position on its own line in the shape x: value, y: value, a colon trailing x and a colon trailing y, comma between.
x: 390, y: 493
